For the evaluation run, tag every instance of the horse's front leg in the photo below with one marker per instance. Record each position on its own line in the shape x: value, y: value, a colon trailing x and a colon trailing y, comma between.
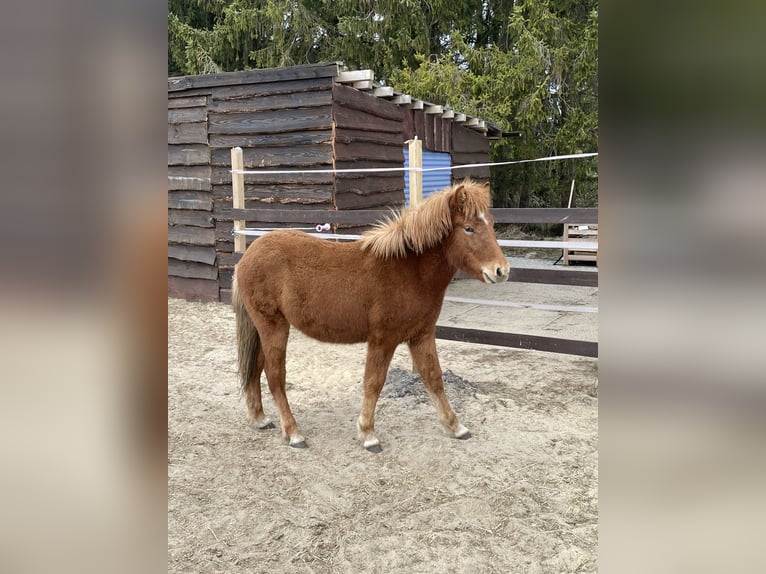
x: 376, y: 367
x: 426, y: 361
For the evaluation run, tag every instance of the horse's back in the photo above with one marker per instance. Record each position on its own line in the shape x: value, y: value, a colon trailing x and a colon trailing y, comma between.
x: 315, y: 284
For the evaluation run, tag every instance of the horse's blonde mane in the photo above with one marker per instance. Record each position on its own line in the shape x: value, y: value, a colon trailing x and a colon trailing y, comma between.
x: 422, y: 227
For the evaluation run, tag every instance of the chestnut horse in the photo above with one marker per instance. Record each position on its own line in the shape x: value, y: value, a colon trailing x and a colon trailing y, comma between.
x: 384, y: 289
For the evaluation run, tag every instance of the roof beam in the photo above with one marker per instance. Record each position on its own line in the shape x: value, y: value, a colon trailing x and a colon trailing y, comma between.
x: 355, y: 76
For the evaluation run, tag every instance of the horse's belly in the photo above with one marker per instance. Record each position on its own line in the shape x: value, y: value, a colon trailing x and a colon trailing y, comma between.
x: 330, y: 324
x: 331, y: 332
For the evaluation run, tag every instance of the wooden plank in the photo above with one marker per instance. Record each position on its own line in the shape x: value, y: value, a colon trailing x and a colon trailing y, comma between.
x: 346, y: 135
x: 416, y: 177
x: 364, y: 150
x: 193, y: 289
x: 467, y: 140
x: 228, y: 259
x: 187, y: 115
x: 222, y: 207
x: 370, y: 184
x: 309, y: 216
x: 253, y: 76
x: 577, y: 256
x: 514, y: 340
x: 286, y: 193
x: 352, y: 76
x: 362, y: 85
x: 463, y: 158
x: 189, y: 178
x: 478, y: 173
x: 270, y: 140
x: 187, y: 133
x: 408, y: 125
x: 190, y: 217
x: 582, y: 215
x: 238, y: 196
x: 225, y: 296
x: 222, y: 175
x: 274, y: 121
x: 419, y: 121
x: 350, y: 98
x: 356, y: 119
x: 383, y: 92
x: 189, y: 93
x: 554, y: 277
x: 188, y: 235
x: 429, y: 141
x: 188, y: 102
x: 528, y: 215
x: 202, y: 200
x: 191, y: 269
x: 221, y: 93
x: 189, y: 154
x: 225, y: 277
x: 273, y: 102
x: 394, y: 199
x: 286, y: 157
x: 192, y: 253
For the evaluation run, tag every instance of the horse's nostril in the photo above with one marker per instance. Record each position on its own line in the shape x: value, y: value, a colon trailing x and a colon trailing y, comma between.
x: 499, y: 272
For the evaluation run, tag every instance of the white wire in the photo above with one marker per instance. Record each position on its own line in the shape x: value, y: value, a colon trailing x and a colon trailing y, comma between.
x: 423, y: 170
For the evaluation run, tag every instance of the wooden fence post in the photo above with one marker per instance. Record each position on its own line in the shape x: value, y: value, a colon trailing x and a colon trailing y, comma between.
x: 238, y: 195
x: 416, y: 176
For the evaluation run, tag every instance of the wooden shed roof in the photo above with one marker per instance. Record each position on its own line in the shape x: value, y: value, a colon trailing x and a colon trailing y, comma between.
x: 360, y: 79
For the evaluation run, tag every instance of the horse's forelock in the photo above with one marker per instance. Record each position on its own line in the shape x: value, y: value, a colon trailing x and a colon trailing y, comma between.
x: 424, y: 226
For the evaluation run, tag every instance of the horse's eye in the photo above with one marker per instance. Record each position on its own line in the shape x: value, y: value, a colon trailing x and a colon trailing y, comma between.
x: 468, y: 229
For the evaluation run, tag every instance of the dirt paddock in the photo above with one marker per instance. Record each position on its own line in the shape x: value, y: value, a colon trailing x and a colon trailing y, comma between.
x: 519, y: 497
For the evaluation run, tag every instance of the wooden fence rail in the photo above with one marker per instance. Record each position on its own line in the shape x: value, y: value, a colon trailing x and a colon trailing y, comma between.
x: 370, y: 216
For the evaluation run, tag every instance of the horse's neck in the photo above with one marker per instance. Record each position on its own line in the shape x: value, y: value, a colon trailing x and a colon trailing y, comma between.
x: 434, y: 268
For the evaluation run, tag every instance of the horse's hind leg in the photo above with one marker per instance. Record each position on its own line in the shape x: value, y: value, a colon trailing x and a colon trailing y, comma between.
x: 253, y: 395
x: 375, y: 369
x: 426, y: 361
x: 274, y: 334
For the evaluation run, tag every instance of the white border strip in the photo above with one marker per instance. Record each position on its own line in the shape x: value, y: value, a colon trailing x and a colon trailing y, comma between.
x: 578, y: 245
x: 539, y: 306
x: 390, y: 169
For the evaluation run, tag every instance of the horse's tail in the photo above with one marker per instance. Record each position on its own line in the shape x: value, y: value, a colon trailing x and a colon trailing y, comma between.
x: 247, y: 338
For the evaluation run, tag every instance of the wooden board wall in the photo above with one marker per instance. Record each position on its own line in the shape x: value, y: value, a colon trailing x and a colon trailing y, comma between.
x: 192, y: 273
x: 280, y: 124
x: 289, y: 118
x: 368, y: 133
x: 469, y: 146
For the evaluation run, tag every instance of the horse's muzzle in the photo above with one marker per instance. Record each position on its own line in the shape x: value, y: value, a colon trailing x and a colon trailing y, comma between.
x: 496, y: 274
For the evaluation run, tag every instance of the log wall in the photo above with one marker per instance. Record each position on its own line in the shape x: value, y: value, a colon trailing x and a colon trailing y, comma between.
x: 368, y: 133
x: 192, y: 273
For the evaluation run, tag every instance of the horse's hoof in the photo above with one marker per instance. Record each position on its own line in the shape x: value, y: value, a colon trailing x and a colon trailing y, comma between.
x: 299, y: 444
x: 268, y: 426
x: 463, y: 433
x: 376, y: 448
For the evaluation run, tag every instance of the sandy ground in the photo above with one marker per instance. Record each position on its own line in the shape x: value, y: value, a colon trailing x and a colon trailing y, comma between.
x: 520, y: 496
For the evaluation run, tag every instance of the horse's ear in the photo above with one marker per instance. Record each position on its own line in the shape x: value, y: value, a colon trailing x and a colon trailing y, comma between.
x: 457, y: 202
x: 486, y: 185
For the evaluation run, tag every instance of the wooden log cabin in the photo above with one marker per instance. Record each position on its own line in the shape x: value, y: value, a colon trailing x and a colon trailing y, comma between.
x: 299, y: 118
